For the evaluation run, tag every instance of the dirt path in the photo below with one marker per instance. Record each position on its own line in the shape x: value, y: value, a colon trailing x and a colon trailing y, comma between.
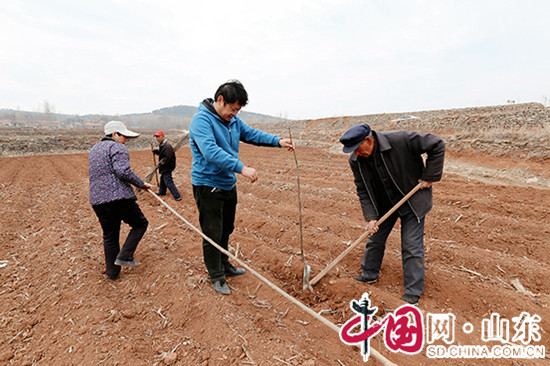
x: 56, y: 307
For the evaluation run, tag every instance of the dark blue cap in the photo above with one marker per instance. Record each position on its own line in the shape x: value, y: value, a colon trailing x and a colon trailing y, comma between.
x: 353, y: 137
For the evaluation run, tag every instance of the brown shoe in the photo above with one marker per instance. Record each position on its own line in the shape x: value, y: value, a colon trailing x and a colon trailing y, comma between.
x: 364, y: 279
x: 411, y: 299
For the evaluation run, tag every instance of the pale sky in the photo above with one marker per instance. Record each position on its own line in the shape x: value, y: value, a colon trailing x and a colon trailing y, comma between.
x: 297, y: 59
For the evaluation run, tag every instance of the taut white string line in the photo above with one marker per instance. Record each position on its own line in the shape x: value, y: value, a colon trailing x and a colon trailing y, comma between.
x: 295, y: 301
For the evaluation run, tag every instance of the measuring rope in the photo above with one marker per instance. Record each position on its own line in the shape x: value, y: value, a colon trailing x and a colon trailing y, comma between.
x: 292, y: 299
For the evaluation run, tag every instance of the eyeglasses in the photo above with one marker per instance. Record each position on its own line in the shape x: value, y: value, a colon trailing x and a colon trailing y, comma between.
x: 233, y: 110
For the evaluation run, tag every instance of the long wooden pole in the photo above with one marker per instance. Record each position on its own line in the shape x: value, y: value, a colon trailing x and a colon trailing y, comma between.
x: 362, y: 237
x: 295, y: 301
x: 155, y: 164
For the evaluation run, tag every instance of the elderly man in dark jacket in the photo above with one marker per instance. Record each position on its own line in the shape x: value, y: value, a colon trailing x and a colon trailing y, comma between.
x: 167, y: 164
x: 386, y: 166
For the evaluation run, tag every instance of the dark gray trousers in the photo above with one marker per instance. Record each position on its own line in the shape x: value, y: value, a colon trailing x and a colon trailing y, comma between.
x: 412, y: 251
x: 166, y: 181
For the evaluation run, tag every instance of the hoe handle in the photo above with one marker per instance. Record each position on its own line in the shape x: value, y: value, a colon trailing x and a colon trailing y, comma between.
x: 363, y: 236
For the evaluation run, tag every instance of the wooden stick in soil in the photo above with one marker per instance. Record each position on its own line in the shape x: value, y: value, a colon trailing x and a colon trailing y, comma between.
x: 362, y: 237
x: 307, y: 268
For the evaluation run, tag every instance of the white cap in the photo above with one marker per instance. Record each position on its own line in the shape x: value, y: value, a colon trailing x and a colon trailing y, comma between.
x: 117, y: 126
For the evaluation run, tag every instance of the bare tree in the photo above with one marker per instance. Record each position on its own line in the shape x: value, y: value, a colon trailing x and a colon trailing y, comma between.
x: 49, y: 111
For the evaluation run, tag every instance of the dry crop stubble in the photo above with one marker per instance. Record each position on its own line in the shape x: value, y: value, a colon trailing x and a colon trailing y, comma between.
x: 483, y: 237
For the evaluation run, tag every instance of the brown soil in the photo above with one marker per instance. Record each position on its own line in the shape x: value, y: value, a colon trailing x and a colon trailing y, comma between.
x: 57, y: 308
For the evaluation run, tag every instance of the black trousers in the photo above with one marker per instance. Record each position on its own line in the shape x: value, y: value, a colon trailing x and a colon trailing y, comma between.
x: 217, y: 219
x: 110, y: 216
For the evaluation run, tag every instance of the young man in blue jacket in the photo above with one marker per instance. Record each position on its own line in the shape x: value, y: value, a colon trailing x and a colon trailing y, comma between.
x: 386, y: 166
x: 215, y: 134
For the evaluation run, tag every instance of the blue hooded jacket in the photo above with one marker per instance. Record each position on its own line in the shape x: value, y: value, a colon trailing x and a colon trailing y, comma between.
x: 215, y: 146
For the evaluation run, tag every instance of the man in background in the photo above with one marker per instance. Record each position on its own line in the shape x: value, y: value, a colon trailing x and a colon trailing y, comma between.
x: 167, y: 164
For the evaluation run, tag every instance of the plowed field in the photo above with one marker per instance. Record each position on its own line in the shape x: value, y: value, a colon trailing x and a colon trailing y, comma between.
x: 487, y: 245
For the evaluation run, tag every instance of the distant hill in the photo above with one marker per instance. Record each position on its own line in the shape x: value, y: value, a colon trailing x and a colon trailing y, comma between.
x: 188, y: 111
x: 177, y: 110
x: 175, y: 117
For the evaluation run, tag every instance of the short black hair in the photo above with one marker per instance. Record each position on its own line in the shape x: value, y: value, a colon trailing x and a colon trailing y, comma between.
x: 232, y: 91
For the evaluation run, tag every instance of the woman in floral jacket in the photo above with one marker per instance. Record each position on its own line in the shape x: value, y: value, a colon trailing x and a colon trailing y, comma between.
x: 113, y: 199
